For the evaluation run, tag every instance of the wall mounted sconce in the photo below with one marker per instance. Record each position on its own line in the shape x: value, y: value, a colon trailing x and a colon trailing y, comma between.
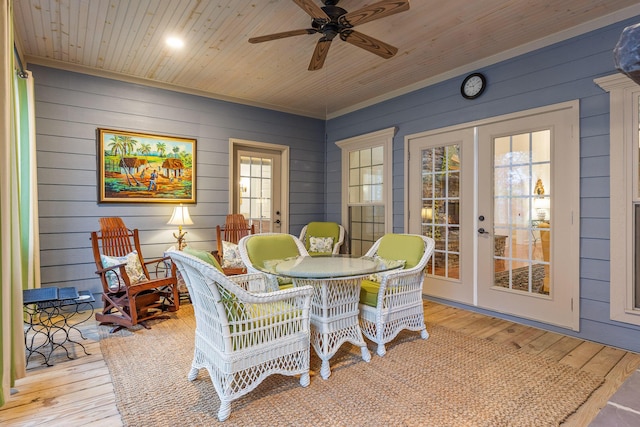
x: 180, y: 217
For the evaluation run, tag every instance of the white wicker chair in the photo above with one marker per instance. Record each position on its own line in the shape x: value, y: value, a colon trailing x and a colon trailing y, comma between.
x: 399, y: 298
x: 269, y: 246
x: 243, y: 335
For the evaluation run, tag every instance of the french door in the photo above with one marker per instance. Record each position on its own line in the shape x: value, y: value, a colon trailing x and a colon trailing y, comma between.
x: 441, y: 207
x: 501, y: 200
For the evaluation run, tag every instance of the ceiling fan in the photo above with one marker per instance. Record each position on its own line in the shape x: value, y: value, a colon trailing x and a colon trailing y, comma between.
x: 331, y: 20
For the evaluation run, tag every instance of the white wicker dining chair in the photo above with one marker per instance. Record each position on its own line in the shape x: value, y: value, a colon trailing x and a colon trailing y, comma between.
x: 244, y: 334
x: 394, y: 302
x: 257, y: 250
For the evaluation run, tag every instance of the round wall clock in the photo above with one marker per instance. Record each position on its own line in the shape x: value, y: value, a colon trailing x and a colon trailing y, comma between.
x: 473, y: 85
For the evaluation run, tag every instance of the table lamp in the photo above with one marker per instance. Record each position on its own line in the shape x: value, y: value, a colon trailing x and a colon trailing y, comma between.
x: 180, y: 217
x: 541, y: 205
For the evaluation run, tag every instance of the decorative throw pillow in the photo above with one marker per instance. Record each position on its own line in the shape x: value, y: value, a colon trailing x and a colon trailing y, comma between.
x: 133, y: 268
x: 321, y: 244
x: 386, y: 263
x: 270, y: 265
x: 113, y: 276
x: 231, y: 256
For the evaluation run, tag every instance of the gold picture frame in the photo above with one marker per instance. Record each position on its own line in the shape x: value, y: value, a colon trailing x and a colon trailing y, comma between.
x: 136, y: 167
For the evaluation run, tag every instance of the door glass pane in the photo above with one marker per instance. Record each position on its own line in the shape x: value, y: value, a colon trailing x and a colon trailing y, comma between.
x: 256, y: 187
x: 440, y: 213
x: 522, y: 212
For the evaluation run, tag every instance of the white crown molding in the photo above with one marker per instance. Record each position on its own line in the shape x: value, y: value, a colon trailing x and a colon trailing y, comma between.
x: 584, y: 28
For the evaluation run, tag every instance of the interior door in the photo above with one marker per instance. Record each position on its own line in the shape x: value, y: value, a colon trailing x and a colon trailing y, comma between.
x: 258, y: 195
x: 441, y: 176
x: 526, y: 227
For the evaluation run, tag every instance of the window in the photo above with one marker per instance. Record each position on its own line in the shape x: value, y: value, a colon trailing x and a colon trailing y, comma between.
x: 624, y: 197
x: 366, y: 178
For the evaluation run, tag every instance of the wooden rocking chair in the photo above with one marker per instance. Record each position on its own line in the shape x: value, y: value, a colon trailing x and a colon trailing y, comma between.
x: 131, y: 295
x: 234, y: 229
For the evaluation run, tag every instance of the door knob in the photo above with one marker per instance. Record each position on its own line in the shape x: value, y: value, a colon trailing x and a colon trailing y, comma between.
x: 277, y: 221
x: 482, y: 231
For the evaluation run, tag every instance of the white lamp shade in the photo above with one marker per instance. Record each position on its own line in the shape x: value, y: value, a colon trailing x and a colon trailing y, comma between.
x: 180, y: 216
x: 427, y: 213
x: 542, y: 202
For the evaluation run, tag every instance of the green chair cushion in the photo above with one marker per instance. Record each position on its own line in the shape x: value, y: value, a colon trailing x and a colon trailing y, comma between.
x: 263, y: 249
x: 398, y: 246
x: 321, y: 229
x: 369, y: 292
x: 204, y: 256
x: 270, y: 247
x: 283, y: 311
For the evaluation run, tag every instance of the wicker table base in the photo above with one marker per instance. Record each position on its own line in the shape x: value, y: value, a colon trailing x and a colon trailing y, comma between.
x: 334, y: 317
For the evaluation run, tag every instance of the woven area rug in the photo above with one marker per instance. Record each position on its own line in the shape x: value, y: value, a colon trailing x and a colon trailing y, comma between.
x: 448, y: 380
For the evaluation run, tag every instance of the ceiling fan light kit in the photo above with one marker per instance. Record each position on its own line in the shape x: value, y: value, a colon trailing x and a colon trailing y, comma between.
x: 332, y: 20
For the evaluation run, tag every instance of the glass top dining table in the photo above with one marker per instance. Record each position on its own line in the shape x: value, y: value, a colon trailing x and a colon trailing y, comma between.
x: 334, y: 306
x: 327, y: 267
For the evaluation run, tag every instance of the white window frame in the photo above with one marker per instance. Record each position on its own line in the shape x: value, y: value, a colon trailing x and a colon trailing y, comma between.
x: 624, y: 96
x: 382, y: 138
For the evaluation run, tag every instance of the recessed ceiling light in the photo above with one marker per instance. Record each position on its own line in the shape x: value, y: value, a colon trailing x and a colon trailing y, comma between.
x: 175, y: 42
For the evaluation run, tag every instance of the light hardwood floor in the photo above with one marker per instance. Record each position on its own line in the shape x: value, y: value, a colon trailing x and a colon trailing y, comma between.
x: 79, y: 392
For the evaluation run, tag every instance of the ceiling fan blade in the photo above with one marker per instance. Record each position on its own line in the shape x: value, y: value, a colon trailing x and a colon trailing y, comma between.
x: 369, y: 43
x: 320, y: 54
x: 282, y: 35
x: 311, y: 8
x: 374, y: 11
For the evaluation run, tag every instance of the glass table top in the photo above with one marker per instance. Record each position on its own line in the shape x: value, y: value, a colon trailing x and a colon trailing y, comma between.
x: 328, y: 267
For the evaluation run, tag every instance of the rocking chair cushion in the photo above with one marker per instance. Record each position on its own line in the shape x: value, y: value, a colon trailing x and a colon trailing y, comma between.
x: 133, y: 268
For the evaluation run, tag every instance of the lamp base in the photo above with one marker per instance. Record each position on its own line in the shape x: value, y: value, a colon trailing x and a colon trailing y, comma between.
x: 182, y: 242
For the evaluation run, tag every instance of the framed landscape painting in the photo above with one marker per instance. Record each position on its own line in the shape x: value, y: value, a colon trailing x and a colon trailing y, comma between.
x: 145, y: 168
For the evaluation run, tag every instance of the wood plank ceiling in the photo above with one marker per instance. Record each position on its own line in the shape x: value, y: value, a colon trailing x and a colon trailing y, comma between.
x: 125, y: 39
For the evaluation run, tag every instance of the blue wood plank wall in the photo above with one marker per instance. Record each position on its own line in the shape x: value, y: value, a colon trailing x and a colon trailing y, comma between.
x: 69, y: 108
x: 561, y: 72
